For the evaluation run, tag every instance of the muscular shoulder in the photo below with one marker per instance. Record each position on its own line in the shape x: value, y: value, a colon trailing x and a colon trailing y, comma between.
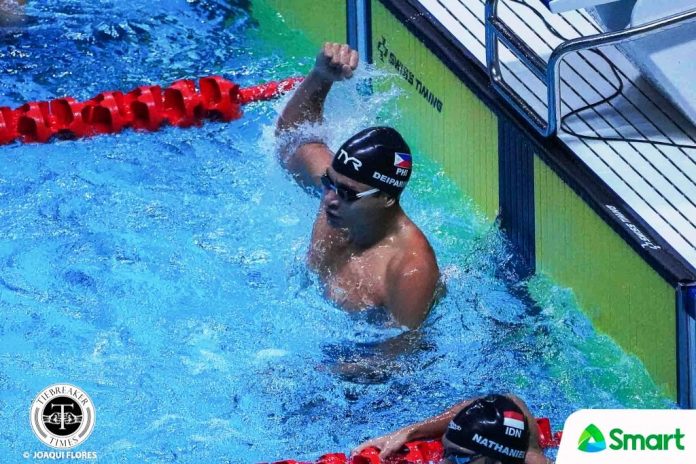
x: 412, y: 275
x: 414, y: 253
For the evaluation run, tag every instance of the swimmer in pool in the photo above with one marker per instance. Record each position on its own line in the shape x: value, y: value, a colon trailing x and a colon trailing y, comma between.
x: 495, y: 429
x: 366, y: 250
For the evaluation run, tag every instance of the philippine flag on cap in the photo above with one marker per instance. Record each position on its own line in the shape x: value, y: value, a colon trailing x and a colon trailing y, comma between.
x: 513, y: 419
x: 402, y: 160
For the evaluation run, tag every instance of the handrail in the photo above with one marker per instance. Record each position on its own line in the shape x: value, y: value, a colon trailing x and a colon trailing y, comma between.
x: 549, y: 73
x: 598, y: 40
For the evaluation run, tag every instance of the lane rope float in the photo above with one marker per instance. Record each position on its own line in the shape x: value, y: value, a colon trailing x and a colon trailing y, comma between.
x: 420, y: 452
x: 146, y: 108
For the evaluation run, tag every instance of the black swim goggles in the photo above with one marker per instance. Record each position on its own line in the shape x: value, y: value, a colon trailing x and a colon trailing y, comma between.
x: 345, y: 193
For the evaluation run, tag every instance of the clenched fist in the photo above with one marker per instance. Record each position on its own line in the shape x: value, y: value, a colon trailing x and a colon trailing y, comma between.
x: 336, y: 62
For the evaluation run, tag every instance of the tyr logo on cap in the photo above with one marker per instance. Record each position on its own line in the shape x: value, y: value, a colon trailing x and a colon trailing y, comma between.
x: 356, y: 162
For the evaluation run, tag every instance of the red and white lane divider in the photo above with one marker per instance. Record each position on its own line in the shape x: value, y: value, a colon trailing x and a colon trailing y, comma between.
x: 146, y: 108
x: 420, y: 452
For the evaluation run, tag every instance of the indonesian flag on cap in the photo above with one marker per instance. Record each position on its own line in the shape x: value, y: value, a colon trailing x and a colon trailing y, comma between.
x: 402, y: 160
x: 513, y: 419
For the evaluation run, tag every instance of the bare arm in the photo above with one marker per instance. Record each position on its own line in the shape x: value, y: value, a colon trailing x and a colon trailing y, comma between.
x: 308, y: 160
x: 411, y: 287
x: 436, y: 426
x: 431, y: 428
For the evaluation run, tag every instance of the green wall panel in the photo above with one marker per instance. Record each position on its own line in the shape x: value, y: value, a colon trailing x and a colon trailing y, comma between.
x: 438, y: 115
x: 624, y: 297
x: 300, y: 27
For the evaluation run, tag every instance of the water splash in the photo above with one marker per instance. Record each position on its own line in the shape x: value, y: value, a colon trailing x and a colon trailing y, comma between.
x: 165, y: 273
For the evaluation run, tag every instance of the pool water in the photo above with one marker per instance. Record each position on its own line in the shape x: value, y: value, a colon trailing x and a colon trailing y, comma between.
x: 164, y: 273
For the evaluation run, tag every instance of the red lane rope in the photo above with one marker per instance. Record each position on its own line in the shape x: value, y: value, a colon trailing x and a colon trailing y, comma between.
x: 146, y: 108
x: 419, y: 452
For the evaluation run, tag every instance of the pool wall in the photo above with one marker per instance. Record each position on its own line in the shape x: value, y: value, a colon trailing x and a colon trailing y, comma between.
x: 300, y: 27
x: 561, y: 219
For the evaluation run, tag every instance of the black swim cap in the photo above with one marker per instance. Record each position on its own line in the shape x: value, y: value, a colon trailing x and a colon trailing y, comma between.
x: 493, y: 426
x: 377, y: 156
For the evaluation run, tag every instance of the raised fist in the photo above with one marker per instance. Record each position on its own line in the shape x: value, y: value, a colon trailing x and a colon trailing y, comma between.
x: 336, y: 62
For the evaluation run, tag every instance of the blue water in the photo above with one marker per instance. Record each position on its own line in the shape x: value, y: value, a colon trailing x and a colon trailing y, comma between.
x: 164, y: 273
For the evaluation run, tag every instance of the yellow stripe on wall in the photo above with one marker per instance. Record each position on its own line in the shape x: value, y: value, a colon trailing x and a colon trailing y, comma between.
x: 438, y: 115
x: 623, y: 296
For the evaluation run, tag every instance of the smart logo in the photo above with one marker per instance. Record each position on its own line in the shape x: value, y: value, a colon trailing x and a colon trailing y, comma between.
x: 592, y: 440
x: 629, y: 436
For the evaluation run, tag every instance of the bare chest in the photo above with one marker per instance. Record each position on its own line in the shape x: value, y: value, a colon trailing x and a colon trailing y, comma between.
x: 354, y: 279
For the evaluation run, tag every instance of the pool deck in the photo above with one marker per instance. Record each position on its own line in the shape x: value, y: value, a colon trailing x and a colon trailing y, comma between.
x: 657, y: 181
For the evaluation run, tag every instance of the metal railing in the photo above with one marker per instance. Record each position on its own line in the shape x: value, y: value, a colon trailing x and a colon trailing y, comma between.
x: 549, y: 73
